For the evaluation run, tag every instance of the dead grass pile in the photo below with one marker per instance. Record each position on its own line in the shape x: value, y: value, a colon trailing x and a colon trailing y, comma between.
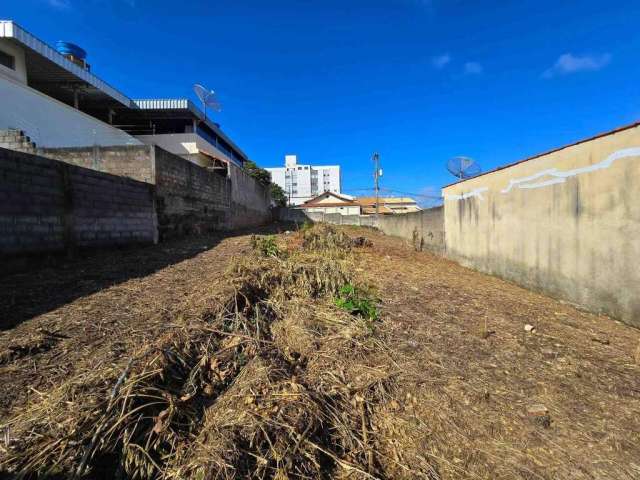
x: 273, y: 382
x: 326, y: 237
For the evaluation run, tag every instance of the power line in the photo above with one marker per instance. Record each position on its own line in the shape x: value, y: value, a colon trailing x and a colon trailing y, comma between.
x: 411, y: 193
x: 393, y: 190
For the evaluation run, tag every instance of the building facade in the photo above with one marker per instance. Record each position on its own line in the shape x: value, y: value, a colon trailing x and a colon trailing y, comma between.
x: 51, y: 99
x: 388, y: 205
x: 304, y: 182
x: 329, y: 202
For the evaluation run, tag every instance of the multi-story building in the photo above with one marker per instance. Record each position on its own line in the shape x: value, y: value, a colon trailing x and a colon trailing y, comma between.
x: 50, y: 98
x: 304, y: 182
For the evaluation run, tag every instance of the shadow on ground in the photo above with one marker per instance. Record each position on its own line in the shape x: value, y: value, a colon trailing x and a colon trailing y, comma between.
x: 52, y: 282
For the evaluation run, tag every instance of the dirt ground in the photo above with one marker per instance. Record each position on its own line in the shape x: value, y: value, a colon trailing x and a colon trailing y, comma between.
x: 475, y: 395
x: 57, y: 320
x: 473, y: 374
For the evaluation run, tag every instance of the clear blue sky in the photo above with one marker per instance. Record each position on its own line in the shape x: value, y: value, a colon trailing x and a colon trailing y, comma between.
x: 332, y: 81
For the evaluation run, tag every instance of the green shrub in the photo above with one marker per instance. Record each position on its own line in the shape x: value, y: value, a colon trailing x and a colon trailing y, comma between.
x: 357, y: 302
x: 267, y: 246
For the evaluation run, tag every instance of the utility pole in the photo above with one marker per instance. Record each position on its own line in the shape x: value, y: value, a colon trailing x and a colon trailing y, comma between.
x: 376, y: 177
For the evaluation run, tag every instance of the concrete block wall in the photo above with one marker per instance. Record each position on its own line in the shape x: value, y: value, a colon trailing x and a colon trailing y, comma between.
x: 190, y: 199
x: 250, y: 201
x: 132, y: 161
x: 32, y: 204
x: 49, y: 206
x: 110, y: 210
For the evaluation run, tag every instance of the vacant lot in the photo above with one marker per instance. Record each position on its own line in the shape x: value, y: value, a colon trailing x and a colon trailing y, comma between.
x: 456, y: 386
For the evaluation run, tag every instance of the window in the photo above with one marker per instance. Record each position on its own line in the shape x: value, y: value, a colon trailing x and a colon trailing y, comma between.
x: 7, y: 60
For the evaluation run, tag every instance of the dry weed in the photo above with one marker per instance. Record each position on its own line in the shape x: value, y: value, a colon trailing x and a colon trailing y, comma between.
x: 273, y: 382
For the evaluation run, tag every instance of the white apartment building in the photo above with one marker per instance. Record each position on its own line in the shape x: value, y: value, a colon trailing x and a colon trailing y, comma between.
x: 304, y: 182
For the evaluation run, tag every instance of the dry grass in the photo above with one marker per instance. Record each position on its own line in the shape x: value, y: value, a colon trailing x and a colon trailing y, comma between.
x: 251, y: 371
x: 230, y: 391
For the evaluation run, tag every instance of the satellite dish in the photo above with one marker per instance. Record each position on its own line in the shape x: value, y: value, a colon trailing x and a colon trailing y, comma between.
x: 208, y: 99
x: 463, y: 167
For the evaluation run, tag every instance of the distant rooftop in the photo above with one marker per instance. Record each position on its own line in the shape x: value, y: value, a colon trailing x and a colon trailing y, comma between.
x: 383, y: 200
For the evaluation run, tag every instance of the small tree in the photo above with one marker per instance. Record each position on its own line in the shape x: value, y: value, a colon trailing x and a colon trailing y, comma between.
x: 260, y: 174
x: 264, y: 178
x: 277, y: 195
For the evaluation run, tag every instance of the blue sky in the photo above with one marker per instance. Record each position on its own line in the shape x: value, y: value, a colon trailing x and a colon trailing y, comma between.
x: 417, y: 80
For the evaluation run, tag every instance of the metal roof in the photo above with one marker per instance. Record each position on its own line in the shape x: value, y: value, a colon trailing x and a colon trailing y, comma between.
x: 46, y: 62
x: 185, y: 104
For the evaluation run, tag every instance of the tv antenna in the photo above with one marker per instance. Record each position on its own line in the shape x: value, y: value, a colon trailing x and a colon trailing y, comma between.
x: 208, y: 99
x: 463, y: 167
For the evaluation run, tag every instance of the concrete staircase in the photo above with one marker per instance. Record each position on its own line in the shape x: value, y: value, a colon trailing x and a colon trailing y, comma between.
x: 16, y: 140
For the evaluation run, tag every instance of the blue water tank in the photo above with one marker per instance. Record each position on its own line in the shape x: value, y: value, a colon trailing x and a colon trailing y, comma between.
x: 68, y: 48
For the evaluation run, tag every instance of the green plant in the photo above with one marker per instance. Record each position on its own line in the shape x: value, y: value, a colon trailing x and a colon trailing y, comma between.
x: 357, y: 302
x: 306, y: 225
x: 260, y: 174
x: 278, y: 196
x: 267, y: 246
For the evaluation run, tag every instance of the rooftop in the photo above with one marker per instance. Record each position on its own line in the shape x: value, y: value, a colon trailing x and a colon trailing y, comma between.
x: 385, y: 200
x: 52, y: 73
x: 342, y: 201
x: 170, y: 107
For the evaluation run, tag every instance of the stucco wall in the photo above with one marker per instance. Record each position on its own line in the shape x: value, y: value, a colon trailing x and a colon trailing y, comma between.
x: 348, y: 210
x: 51, y: 123
x: 566, y: 223
x: 424, y: 229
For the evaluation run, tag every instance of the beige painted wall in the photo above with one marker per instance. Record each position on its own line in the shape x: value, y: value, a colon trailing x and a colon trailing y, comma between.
x: 566, y: 223
x: 347, y: 210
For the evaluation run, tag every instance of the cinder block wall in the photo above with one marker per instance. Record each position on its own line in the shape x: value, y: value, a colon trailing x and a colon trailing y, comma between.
x: 190, y: 199
x: 48, y: 206
x: 566, y: 223
x: 250, y: 201
x: 133, y: 161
